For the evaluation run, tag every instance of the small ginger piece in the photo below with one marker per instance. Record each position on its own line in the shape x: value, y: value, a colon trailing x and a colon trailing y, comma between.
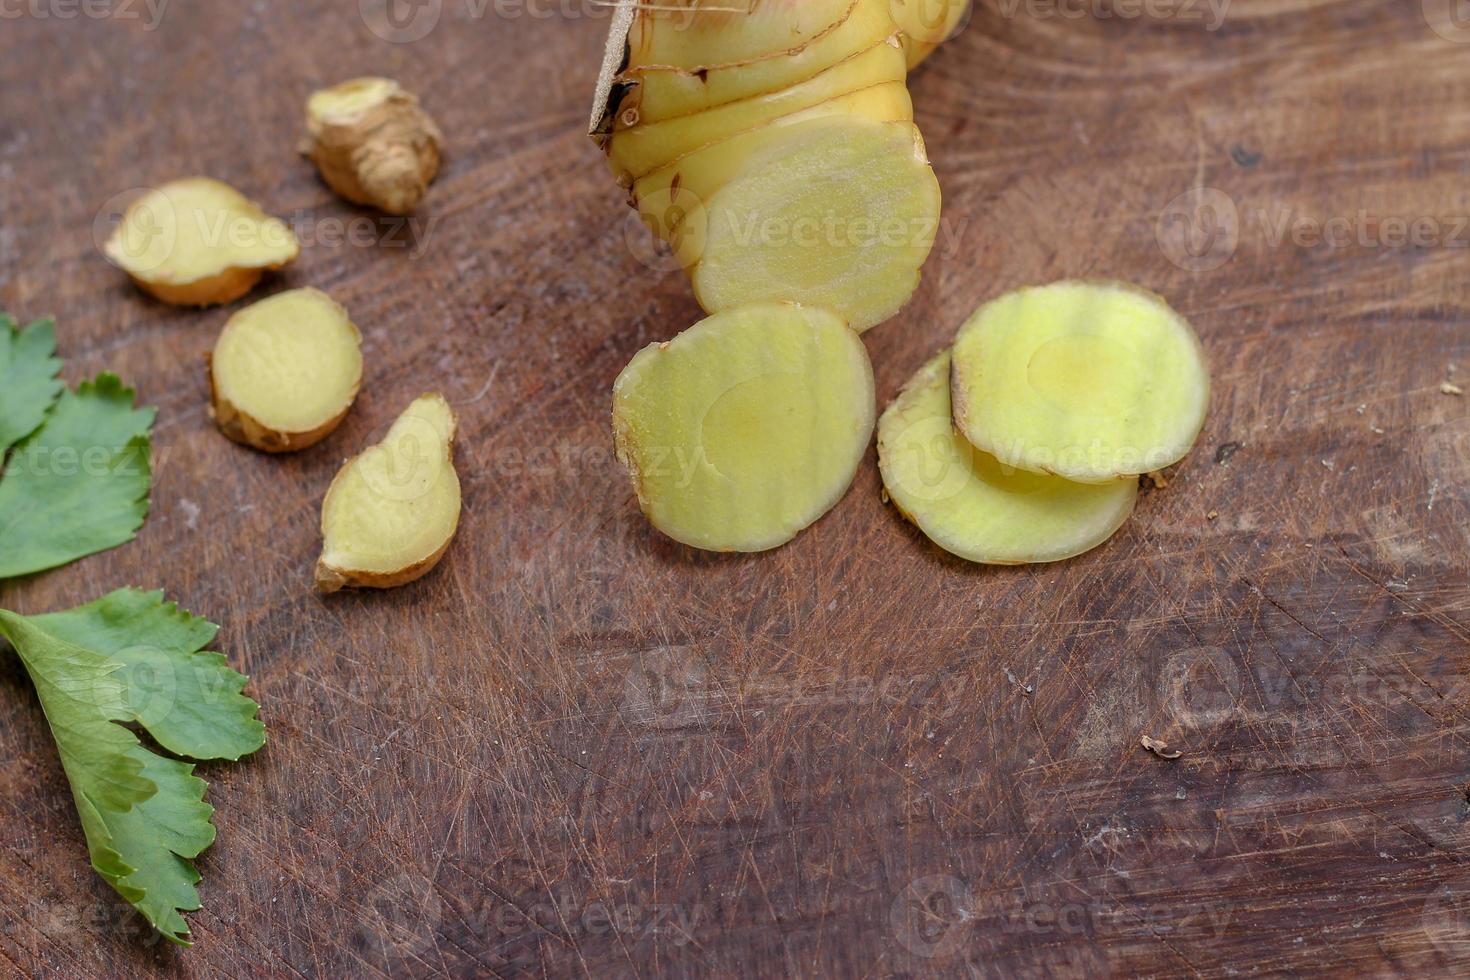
x: 198, y: 242
x: 373, y: 143
x: 970, y: 505
x: 746, y: 428
x: 285, y: 371
x: 392, y: 510
x: 1089, y: 381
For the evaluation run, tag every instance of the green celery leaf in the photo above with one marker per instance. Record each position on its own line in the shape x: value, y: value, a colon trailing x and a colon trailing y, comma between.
x: 143, y: 852
x: 130, y: 657
x: 29, y: 381
x: 82, y: 696
x: 187, y: 697
x: 79, y: 484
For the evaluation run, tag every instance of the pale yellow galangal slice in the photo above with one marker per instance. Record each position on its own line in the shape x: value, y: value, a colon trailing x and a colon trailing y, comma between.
x: 841, y: 215
x: 393, y: 509
x: 968, y: 503
x: 285, y: 371
x: 1090, y: 381
x: 671, y: 200
x: 197, y: 241
x: 747, y: 427
x: 726, y: 55
x: 636, y: 152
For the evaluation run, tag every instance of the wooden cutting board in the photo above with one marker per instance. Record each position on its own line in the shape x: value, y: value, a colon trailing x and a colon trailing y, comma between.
x: 577, y: 748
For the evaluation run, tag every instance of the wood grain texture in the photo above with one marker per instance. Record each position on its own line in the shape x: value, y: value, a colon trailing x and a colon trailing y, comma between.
x: 579, y: 749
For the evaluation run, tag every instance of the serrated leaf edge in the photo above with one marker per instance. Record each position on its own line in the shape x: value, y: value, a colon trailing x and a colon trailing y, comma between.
x: 119, y: 871
x: 57, y: 386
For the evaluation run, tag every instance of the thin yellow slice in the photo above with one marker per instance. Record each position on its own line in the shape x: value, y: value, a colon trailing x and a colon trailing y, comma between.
x: 392, y: 510
x: 285, y: 371
x: 721, y: 63
x: 675, y: 195
x: 842, y: 217
x: 689, y: 35
x: 970, y: 505
x: 197, y: 241
x: 663, y: 94
x: 747, y: 427
x: 632, y: 153
x: 1090, y: 381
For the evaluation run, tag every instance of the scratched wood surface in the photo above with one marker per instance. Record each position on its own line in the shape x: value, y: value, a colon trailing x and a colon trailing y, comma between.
x: 579, y: 749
